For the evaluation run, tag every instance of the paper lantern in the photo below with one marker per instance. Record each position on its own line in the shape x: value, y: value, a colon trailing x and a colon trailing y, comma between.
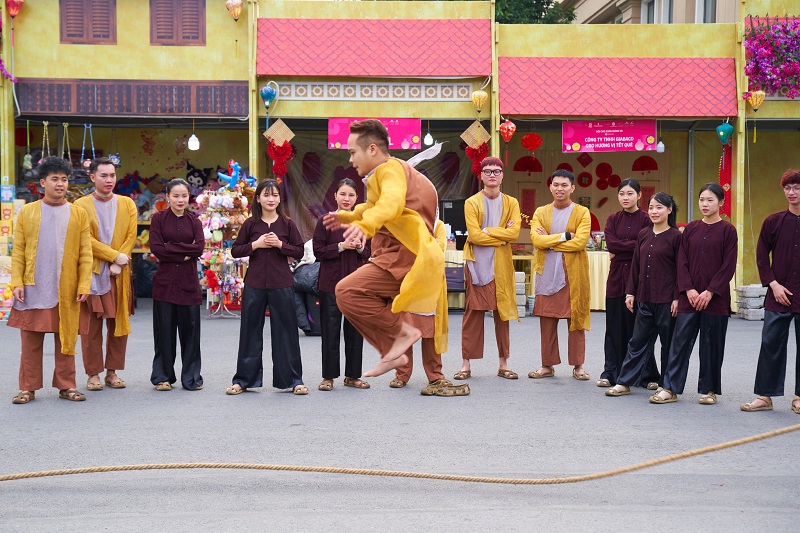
x: 479, y: 99
x: 234, y: 7
x: 724, y: 132
x: 268, y: 94
x: 531, y: 142
x: 755, y: 100
x: 13, y: 7
x: 507, y: 130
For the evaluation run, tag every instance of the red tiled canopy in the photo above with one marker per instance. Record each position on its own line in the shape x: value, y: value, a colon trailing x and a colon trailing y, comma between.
x: 617, y: 86
x: 374, y: 47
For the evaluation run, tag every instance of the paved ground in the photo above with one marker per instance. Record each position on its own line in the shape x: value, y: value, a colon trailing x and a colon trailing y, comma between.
x: 524, y: 428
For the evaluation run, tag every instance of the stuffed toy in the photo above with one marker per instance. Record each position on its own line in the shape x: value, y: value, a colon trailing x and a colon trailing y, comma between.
x: 197, y: 178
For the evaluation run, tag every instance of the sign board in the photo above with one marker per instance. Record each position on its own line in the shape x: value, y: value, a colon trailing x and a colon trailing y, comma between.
x: 404, y: 133
x: 608, y: 135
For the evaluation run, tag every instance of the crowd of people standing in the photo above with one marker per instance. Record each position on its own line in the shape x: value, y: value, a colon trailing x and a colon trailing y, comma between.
x: 71, y: 271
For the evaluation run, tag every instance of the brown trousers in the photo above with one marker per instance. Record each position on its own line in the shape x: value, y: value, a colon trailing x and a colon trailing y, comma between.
x: 478, y: 300
x: 365, y: 299
x: 550, y: 309
x: 31, y: 367
x: 92, y: 344
x: 431, y: 362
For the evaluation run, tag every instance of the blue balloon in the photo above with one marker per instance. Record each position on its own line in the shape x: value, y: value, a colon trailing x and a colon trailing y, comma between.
x: 233, y: 179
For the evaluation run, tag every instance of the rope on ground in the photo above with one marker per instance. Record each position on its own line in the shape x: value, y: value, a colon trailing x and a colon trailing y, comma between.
x: 414, y: 475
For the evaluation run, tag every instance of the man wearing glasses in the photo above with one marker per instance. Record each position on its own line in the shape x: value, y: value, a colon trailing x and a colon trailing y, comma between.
x: 493, y: 223
x: 780, y: 239
x: 559, y: 232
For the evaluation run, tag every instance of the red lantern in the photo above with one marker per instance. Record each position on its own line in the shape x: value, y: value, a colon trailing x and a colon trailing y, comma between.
x: 531, y: 142
x: 507, y: 130
x: 14, y: 6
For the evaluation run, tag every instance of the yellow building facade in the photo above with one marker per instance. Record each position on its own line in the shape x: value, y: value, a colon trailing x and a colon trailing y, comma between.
x: 142, y: 95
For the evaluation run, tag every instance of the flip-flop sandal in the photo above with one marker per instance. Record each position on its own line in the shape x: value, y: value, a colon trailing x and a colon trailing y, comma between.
x: 326, y: 385
x: 462, y: 374
x: 615, y: 392
x: 72, y: 395
x: 507, y: 373
x: 300, y: 390
x: 539, y: 375
x: 116, y: 383
x: 356, y: 383
x: 25, y: 396
x: 397, y: 383
x: 655, y: 398
x: 750, y: 408
x: 92, y: 386
x: 233, y: 390
x: 164, y: 386
x: 453, y: 390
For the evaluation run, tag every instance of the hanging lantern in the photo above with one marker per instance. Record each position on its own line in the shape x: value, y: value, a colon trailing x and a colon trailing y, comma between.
x: 268, y: 94
x: 14, y: 6
x: 724, y: 131
x: 234, y: 7
x: 507, y: 130
x: 755, y: 100
x: 479, y: 99
x: 531, y: 142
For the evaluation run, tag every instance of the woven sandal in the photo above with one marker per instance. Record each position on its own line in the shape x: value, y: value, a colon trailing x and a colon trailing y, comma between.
x: 453, y: 390
x: 72, y: 395
x: 507, y: 373
x: 25, y: 396
x: 749, y: 407
x: 115, y: 382
x: 431, y: 388
x: 462, y: 374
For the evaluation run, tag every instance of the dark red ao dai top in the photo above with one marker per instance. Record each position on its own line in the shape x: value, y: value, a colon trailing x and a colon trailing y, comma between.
x: 335, y: 266
x: 654, y: 273
x: 707, y: 261
x: 622, y: 230
x: 173, y: 238
x: 269, y: 267
x: 780, y: 236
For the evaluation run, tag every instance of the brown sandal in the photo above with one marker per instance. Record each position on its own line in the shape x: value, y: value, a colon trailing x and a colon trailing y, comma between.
x: 355, y: 383
x: 72, y: 395
x: 462, y: 374
x: 24, y: 397
x: 326, y: 385
x: 94, y: 385
x: 115, y: 382
x: 164, y: 386
x: 300, y: 390
x: 233, y: 390
x: 397, y: 383
x: 507, y: 373
x: 750, y: 408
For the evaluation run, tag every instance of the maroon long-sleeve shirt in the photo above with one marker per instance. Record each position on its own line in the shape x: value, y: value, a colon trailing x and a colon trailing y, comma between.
x: 621, y: 232
x: 269, y: 267
x: 172, y: 239
x: 780, y: 236
x: 654, y: 274
x: 334, y: 265
x: 707, y: 261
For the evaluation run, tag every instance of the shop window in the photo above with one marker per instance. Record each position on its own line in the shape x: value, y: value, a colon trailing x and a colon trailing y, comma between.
x: 88, y: 21
x: 178, y: 22
x: 709, y: 10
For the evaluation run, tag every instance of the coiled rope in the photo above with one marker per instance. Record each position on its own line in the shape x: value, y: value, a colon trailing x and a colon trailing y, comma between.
x: 413, y: 475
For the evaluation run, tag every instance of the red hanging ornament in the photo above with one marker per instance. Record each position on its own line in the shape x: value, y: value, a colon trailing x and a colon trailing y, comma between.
x: 280, y: 154
x: 507, y: 130
x: 531, y: 142
x: 476, y: 155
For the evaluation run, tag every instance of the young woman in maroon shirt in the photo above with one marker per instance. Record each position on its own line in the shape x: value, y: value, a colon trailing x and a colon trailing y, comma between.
x: 706, y: 264
x: 622, y: 230
x: 652, y: 287
x: 338, y: 258
x: 176, y: 239
x: 270, y: 239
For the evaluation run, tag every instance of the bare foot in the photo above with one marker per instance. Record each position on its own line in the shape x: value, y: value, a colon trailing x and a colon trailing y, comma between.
x: 385, y: 366
x: 408, y: 335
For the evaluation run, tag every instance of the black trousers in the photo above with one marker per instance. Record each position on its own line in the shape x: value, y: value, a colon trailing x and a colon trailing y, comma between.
x: 331, y: 322
x: 169, y: 319
x: 619, y: 330
x: 771, y: 373
x: 287, y: 367
x: 639, y: 368
x: 712, y: 330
